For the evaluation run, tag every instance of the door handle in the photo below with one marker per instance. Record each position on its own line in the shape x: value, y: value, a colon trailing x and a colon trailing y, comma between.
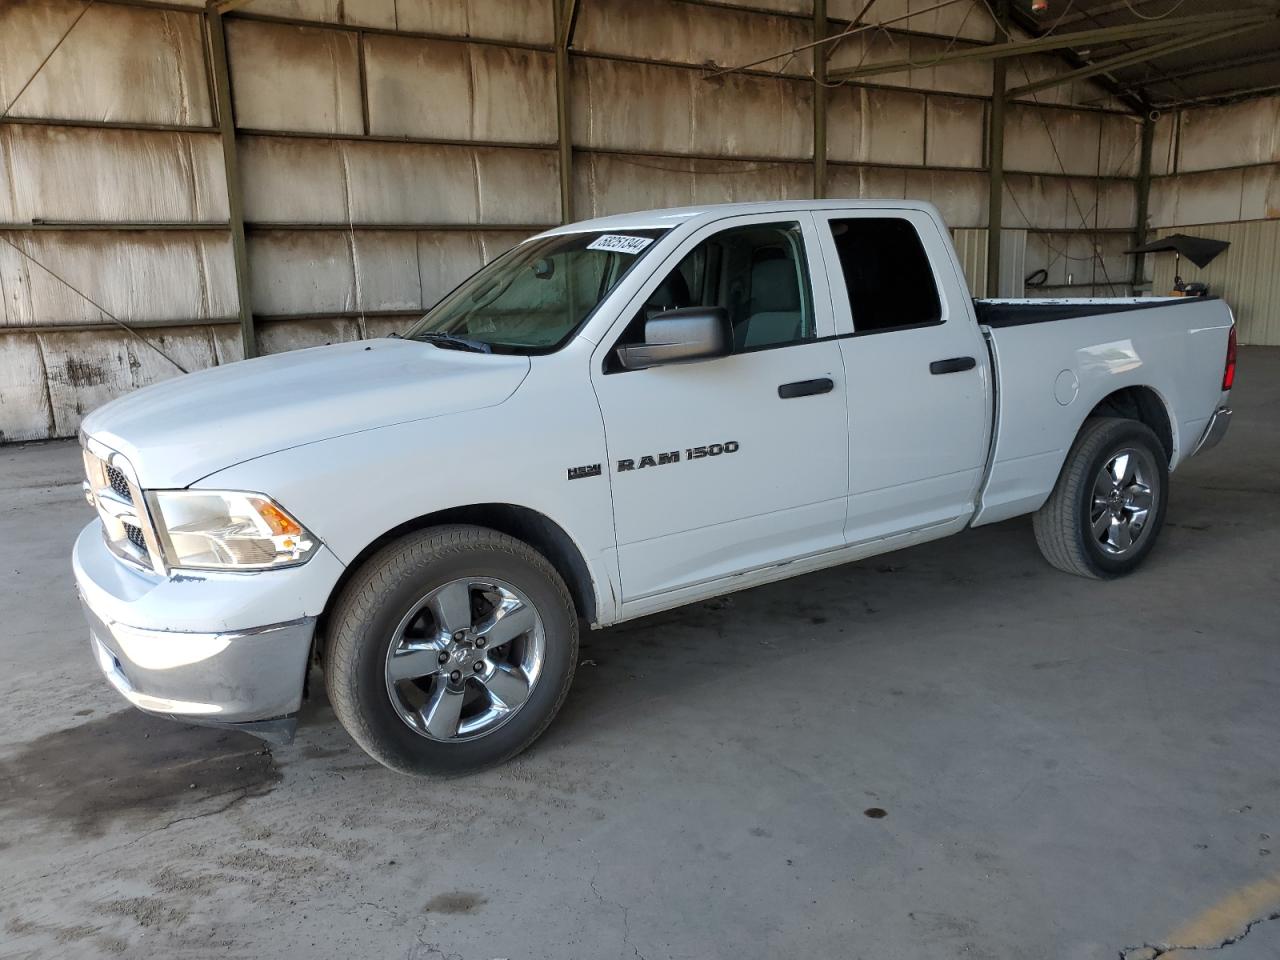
x: 954, y: 365
x: 806, y: 388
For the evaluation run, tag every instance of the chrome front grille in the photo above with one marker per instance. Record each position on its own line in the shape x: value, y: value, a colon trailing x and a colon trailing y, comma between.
x: 112, y: 488
x: 119, y: 483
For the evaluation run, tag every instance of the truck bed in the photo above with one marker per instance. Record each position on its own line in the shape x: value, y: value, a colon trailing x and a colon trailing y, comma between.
x: 1054, y: 361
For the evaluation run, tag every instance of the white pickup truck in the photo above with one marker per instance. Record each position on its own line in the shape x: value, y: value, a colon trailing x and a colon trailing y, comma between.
x: 614, y: 418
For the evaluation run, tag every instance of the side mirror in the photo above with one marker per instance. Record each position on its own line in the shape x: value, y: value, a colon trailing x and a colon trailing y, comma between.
x: 680, y: 336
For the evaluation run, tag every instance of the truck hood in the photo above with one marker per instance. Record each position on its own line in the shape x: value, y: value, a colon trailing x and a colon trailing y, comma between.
x: 186, y: 428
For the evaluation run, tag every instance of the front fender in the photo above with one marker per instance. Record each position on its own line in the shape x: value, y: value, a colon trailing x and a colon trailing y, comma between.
x: 351, y: 490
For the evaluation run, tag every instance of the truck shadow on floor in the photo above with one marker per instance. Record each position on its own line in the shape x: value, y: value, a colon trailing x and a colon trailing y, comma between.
x: 143, y: 771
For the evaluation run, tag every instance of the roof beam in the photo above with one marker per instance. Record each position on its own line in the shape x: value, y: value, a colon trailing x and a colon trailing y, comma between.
x: 1132, y: 57
x: 1060, y: 41
x: 1097, y: 10
x: 1203, y: 69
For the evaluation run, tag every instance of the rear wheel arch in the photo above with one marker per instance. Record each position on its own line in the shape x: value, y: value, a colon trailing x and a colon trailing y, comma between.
x: 1143, y: 404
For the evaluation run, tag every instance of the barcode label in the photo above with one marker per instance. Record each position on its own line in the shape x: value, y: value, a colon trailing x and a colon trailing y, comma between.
x: 619, y: 243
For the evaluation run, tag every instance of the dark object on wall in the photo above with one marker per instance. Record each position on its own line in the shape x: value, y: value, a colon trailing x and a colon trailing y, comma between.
x: 1199, y: 250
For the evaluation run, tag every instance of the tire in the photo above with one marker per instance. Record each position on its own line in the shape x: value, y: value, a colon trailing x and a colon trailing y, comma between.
x: 1083, y: 496
x: 403, y: 612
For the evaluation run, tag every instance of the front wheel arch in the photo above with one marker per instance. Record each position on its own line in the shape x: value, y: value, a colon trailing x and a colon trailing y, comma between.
x: 523, y: 523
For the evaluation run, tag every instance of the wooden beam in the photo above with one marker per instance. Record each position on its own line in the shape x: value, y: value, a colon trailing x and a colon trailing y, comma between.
x: 565, y: 12
x: 1143, y: 200
x: 231, y: 171
x: 995, y: 161
x: 819, y: 99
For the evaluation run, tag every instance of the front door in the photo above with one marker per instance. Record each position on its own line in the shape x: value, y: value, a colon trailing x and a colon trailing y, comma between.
x: 714, y: 469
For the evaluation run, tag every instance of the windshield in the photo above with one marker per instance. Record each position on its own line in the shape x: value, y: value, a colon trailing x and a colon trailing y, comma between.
x: 534, y: 297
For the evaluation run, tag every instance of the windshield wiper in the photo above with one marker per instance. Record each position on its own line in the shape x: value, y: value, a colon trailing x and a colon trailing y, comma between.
x: 447, y: 341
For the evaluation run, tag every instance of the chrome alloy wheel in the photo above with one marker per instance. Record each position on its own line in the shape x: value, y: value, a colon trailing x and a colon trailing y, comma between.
x: 464, y: 659
x: 1124, y: 496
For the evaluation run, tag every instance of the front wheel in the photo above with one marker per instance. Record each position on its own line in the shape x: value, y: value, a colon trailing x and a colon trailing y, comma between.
x: 1106, y: 510
x: 451, y: 650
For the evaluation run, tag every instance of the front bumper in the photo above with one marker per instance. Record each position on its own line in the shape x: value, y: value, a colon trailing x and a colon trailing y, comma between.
x: 1215, y: 431
x: 219, y: 649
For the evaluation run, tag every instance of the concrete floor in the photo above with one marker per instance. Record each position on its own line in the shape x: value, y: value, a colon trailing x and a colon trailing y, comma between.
x: 1068, y: 769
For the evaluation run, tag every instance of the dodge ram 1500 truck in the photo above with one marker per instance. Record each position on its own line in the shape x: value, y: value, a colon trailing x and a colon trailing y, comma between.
x: 613, y: 418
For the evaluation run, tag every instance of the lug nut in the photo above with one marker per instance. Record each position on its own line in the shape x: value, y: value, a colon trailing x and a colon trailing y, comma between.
x: 455, y: 676
x: 460, y: 636
x: 480, y: 642
x: 479, y: 666
x: 443, y: 658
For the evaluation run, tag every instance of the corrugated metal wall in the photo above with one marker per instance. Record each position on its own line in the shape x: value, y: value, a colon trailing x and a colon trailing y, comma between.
x: 1218, y: 175
x: 1246, y: 275
x: 389, y: 147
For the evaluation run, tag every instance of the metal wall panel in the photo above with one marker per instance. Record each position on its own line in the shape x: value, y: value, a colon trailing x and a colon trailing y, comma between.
x: 802, y: 7
x: 1052, y: 141
x: 120, y: 64
x: 692, y: 33
x: 527, y: 22
x: 645, y: 107
x: 290, y: 180
x: 1079, y: 93
x: 1245, y: 275
x: 25, y: 413
x: 280, y: 335
x: 85, y: 369
x: 607, y: 183
x: 336, y: 271
x: 1195, y: 198
x: 876, y: 126
x: 1250, y: 130
x: 362, y: 13
x: 468, y: 91
x: 294, y: 78
x: 971, y: 248
x: 955, y: 133
x: 873, y: 47
x: 1077, y: 261
x: 163, y: 275
x: 90, y: 174
x: 960, y: 197
x: 969, y: 20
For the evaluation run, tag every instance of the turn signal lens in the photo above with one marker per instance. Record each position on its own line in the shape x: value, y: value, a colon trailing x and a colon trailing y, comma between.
x: 1229, y: 374
x: 281, y: 523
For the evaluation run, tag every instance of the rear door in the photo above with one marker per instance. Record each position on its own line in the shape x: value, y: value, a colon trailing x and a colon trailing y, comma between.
x: 729, y: 464
x: 919, y: 390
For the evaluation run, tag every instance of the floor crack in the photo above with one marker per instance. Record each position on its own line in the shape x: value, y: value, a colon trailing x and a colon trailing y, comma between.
x: 1153, y: 951
x: 624, y: 910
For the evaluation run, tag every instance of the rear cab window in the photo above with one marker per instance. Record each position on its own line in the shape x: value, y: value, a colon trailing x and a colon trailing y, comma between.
x: 887, y: 274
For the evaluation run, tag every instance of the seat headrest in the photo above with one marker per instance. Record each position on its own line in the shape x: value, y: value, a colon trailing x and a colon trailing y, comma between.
x: 773, y: 287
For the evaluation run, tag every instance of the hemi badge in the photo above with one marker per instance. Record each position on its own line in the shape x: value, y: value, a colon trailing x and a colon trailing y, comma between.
x: 581, y: 473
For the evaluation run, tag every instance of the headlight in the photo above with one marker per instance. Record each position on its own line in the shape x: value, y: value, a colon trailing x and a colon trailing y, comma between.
x: 228, y: 530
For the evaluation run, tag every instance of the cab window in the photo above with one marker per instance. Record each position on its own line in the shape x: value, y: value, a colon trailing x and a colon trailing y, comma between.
x: 887, y: 273
x: 758, y: 273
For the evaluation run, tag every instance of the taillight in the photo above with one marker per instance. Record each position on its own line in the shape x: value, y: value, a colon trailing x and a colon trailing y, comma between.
x: 1229, y: 374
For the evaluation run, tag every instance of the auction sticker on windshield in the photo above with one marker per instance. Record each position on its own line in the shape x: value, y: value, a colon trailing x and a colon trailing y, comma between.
x: 619, y: 243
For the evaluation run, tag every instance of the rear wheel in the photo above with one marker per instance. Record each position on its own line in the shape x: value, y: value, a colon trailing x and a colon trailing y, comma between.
x: 1106, y: 510
x: 451, y: 650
